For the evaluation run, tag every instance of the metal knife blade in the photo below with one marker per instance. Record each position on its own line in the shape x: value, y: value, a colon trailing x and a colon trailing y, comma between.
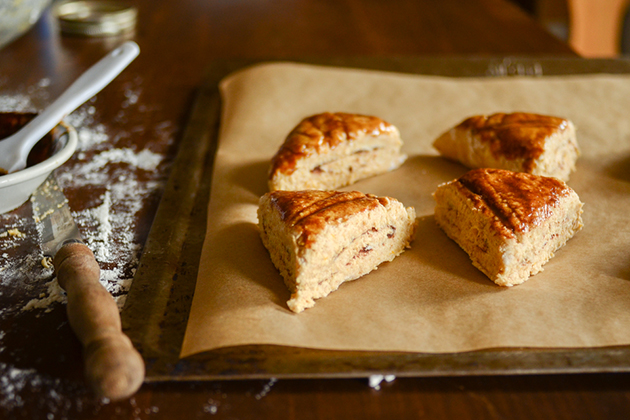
x: 113, y: 367
x: 53, y: 217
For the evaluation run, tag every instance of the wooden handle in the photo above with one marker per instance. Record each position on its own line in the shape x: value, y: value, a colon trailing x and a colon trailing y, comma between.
x: 113, y: 367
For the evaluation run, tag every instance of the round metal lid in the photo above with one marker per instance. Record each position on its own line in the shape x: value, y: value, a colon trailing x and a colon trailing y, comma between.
x: 95, y: 18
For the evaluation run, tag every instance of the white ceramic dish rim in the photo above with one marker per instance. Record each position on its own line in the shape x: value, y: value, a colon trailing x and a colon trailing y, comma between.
x: 46, y: 166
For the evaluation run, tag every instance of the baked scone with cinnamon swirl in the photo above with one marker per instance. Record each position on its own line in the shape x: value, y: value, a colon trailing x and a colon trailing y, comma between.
x: 520, y: 142
x: 509, y: 223
x: 319, y: 239
x: 332, y: 150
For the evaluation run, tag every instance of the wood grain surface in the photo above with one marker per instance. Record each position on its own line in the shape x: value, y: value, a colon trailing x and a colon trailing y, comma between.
x: 40, y: 358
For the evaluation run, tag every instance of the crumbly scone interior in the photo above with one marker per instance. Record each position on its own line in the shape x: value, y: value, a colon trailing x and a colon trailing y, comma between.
x: 558, y: 157
x: 343, y: 251
x: 351, y: 250
x: 343, y: 164
x: 561, y: 154
x: 533, y: 249
x: 277, y: 238
x: 506, y: 256
x: 471, y: 230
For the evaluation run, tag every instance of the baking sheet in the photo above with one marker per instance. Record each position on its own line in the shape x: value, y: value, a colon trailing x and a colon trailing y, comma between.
x: 265, y: 356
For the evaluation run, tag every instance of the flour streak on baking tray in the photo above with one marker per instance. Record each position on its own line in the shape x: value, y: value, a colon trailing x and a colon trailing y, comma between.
x: 122, y: 177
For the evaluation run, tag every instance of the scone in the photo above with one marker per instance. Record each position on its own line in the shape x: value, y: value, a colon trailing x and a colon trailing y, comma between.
x: 328, y: 151
x: 320, y: 239
x: 509, y: 223
x: 520, y: 142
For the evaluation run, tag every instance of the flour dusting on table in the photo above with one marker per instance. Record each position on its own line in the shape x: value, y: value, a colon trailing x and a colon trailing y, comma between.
x: 374, y: 381
x: 116, y: 183
x: 117, y: 179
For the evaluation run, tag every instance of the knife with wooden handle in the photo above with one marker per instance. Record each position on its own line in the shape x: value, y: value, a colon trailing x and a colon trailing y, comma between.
x: 113, y: 367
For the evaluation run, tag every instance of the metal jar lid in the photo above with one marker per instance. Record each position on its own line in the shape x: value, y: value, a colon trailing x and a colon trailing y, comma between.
x: 95, y: 18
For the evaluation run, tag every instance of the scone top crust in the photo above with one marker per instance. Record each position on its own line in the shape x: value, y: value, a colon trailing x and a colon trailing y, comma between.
x: 324, y: 131
x: 307, y: 213
x: 519, y: 135
x: 516, y: 201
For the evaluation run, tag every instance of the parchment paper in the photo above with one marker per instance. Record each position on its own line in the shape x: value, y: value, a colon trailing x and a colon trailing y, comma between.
x: 431, y: 298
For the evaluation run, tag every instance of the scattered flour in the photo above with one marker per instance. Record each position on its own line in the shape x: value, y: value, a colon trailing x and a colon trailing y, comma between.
x: 266, y: 389
x: 108, y: 223
x: 119, y: 181
x: 376, y: 380
x: 211, y: 406
x: 54, y: 293
x: 12, y: 381
x: 29, y: 268
x: 20, y: 103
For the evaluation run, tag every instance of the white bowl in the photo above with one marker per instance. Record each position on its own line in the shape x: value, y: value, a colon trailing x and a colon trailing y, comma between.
x: 17, y: 17
x: 16, y: 187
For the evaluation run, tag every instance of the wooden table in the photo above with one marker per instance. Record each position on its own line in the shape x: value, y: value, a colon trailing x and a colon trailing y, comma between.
x: 146, y: 110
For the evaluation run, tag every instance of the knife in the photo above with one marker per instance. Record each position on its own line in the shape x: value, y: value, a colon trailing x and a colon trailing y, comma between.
x: 113, y: 367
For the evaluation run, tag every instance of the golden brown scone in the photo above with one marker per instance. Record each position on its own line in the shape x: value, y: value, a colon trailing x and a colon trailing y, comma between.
x: 328, y: 151
x: 520, y: 142
x: 509, y: 223
x: 320, y: 239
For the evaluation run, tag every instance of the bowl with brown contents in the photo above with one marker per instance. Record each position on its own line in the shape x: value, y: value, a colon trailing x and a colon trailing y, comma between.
x: 49, y: 153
